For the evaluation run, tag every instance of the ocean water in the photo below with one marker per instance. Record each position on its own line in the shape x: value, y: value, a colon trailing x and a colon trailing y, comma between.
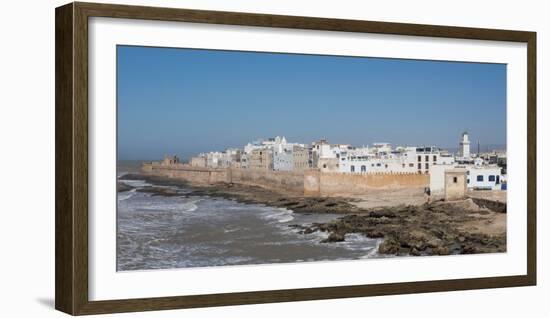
x: 160, y: 232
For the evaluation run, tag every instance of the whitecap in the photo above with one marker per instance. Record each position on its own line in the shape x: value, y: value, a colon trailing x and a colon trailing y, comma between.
x: 230, y: 229
x: 121, y: 174
x: 190, y: 206
x: 126, y: 195
x: 281, y: 215
x: 374, y: 252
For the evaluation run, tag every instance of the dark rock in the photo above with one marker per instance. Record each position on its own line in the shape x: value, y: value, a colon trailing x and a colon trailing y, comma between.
x: 374, y: 233
x: 468, y: 249
x: 414, y: 252
x: 334, y: 237
x: 167, y: 192
x: 121, y: 187
x: 309, y: 230
x: 441, y: 250
x: 490, y: 204
x: 381, y: 213
x: 389, y: 246
x: 434, y: 243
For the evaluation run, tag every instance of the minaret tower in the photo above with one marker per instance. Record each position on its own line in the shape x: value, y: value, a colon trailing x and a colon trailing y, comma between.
x: 464, y: 146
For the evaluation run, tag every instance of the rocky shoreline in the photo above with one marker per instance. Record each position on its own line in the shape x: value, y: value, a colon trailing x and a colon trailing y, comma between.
x: 430, y: 229
x: 438, y: 228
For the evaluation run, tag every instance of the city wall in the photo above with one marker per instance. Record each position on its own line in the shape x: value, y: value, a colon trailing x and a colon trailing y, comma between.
x: 310, y: 182
x: 201, y: 176
x: 283, y: 181
x: 343, y: 184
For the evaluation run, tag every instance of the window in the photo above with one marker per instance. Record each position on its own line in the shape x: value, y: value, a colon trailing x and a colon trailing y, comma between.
x: 363, y: 168
x: 352, y: 168
x: 492, y: 178
x: 419, y: 158
x: 479, y: 178
x: 435, y: 158
x: 403, y: 165
x: 419, y: 166
x: 455, y: 180
x: 378, y: 165
x: 468, y: 181
x: 324, y: 165
x: 411, y: 165
x: 427, y: 165
x: 427, y: 158
x: 498, y: 180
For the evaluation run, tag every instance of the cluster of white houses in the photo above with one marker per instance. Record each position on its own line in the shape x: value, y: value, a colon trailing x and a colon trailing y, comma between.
x: 484, y: 171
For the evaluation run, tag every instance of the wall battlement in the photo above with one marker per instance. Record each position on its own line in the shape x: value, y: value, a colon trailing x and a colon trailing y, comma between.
x: 309, y: 182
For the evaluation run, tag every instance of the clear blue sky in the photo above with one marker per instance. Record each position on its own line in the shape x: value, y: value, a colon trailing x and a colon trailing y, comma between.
x: 185, y: 101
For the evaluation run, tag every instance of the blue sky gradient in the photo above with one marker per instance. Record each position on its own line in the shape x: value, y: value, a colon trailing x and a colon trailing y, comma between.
x: 186, y: 101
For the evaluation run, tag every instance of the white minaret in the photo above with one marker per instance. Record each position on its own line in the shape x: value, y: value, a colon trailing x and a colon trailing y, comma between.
x: 465, y: 146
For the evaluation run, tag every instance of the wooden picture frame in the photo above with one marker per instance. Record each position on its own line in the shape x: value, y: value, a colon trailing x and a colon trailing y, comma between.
x: 71, y: 221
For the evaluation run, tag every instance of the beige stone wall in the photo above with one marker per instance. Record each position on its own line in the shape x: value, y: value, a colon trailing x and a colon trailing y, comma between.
x: 311, y: 182
x: 261, y: 159
x: 285, y: 181
x: 455, y: 184
x: 198, y: 162
x: 353, y: 184
x: 189, y: 174
x: 300, y: 158
x: 328, y: 164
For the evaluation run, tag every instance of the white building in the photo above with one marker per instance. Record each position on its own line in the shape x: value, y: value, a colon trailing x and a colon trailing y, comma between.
x: 245, y: 161
x: 214, y: 159
x: 381, y: 159
x: 464, y: 149
x: 248, y: 148
x: 445, y: 159
x: 283, y: 160
x: 222, y: 159
x: 270, y: 143
x: 483, y: 177
x: 381, y: 147
x: 282, y: 153
x: 426, y: 157
x: 488, y: 177
x: 326, y: 156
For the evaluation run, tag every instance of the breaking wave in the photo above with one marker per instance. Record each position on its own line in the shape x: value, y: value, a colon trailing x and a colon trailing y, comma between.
x: 126, y: 195
x: 281, y: 215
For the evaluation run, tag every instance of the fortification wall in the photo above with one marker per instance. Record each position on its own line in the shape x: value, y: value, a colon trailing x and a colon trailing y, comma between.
x: 352, y: 184
x: 309, y: 182
x: 312, y: 182
x: 286, y: 181
x: 189, y: 174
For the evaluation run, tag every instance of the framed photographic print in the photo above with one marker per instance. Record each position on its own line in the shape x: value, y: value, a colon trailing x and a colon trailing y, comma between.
x: 210, y: 158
